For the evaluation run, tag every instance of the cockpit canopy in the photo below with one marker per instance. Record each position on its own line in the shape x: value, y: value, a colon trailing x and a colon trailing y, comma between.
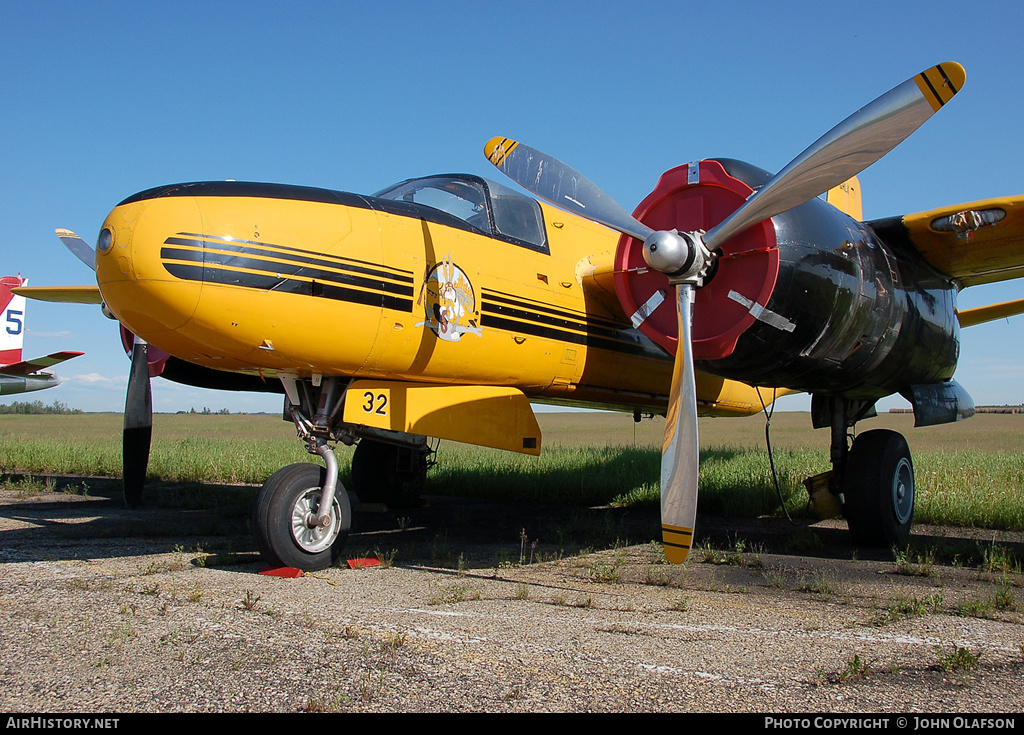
x: 485, y: 205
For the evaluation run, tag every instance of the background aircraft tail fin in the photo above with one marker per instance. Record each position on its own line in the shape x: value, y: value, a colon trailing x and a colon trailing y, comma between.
x: 12, y: 319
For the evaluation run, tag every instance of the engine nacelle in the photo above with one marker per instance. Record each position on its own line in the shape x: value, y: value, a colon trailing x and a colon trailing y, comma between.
x: 810, y: 300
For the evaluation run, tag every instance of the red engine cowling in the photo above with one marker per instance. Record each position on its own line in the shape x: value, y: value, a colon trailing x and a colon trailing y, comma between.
x: 157, y: 357
x: 692, y: 197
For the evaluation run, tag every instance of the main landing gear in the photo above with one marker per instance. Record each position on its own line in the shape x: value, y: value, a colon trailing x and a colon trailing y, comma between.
x: 303, y: 513
x: 875, y: 476
x: 393, y: 474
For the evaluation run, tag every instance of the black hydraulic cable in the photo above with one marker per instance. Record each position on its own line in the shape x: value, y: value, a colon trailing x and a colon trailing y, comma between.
x: 771, y: 460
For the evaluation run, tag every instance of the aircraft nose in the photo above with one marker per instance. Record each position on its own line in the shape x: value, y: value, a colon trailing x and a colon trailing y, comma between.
x: 133, y: 280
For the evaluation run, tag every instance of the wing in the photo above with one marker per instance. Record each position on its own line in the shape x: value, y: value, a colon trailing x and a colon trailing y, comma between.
x: 974, y: 243
x: 982, y: 314
x: 64, y: 294
x: 28, y: 367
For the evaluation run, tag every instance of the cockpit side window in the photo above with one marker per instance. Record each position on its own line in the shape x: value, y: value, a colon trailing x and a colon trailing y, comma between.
x: 519, y: 218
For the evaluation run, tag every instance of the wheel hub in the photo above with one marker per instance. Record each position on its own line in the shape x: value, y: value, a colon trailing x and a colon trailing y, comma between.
x: 309, y: 535
x: 903, y: 490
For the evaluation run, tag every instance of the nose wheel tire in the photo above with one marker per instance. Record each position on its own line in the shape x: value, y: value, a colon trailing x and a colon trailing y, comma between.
x: 879, y: 489
x: 284, y: 519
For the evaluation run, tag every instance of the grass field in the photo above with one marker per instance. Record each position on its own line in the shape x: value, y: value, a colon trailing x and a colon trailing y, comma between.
x: 968, y: 474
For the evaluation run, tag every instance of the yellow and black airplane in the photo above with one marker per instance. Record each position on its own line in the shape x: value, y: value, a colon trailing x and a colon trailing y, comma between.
x: 441, y: 306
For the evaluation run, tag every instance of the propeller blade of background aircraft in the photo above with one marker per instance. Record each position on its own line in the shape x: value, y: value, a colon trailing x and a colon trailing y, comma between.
x: 847, y: 149
x: 78, y: 246
x: 563, y: 186
x: 680, y: 454
x: 138, y: 425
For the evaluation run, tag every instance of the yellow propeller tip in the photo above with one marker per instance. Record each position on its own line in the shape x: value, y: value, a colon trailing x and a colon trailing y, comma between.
x: 497, y: 148
x: 676, y: 555
x: 956, y: 73
x: 939, y: 84
x: 677, y: 540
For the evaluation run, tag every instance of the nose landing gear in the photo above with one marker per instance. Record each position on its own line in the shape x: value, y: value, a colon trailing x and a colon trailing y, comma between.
x: 303, y: 513
x: 288, y: 524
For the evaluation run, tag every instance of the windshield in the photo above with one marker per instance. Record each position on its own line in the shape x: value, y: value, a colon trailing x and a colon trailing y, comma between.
x: 491, y: 208
x: 458, y: 197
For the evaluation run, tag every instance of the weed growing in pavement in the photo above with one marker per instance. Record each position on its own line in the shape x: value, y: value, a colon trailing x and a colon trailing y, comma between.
x: 682, y: 604
x: 386, y: 558
x: 775, y: 576
x: 823, y: 583
x: 604, y: 571
x: 976, y: 607
x: 956, y: 660
x: 453, y: 594
x: 856, y: 669
x: 920, y: 564
x: 902, y: 607
x: 997, y: 559
x: 250, y: 600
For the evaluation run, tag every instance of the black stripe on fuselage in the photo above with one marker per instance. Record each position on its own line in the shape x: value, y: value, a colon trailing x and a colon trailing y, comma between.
x: 210, y: 253
x: 283, y: 252
x: 560, y: 335
x: 510, y: 312
x: 578, y: 317
x: 219, y: 264
x: 232, y: 262
x: 261, y: 282
x: 505, y: 311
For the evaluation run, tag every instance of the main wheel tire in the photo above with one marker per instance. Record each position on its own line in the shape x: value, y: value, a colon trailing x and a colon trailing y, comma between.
x: 387, y: 473
x: 879, y: 489
x: 279, y: 519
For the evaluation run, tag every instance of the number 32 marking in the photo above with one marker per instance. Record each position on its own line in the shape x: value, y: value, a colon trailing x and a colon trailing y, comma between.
x: 375, y: 404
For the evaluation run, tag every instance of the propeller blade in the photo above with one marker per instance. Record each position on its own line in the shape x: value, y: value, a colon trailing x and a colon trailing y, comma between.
x: 847, y: 149
x: 680, y: 457
x: 138, y: 425
x: 563, y: 186
x: 78, y: 246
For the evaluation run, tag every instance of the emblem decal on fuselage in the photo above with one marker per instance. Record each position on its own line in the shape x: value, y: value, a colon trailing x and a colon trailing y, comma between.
x: 449, y: 302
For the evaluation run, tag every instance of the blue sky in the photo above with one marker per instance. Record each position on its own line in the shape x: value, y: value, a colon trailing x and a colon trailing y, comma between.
x: 103, y: 99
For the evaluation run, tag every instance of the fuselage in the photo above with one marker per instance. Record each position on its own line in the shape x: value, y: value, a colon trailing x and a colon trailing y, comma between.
x: 261, y: 279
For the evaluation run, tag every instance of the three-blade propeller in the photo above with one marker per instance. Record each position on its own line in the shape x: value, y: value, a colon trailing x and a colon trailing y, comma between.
x: 841, y: 153
x: 138, y: 408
